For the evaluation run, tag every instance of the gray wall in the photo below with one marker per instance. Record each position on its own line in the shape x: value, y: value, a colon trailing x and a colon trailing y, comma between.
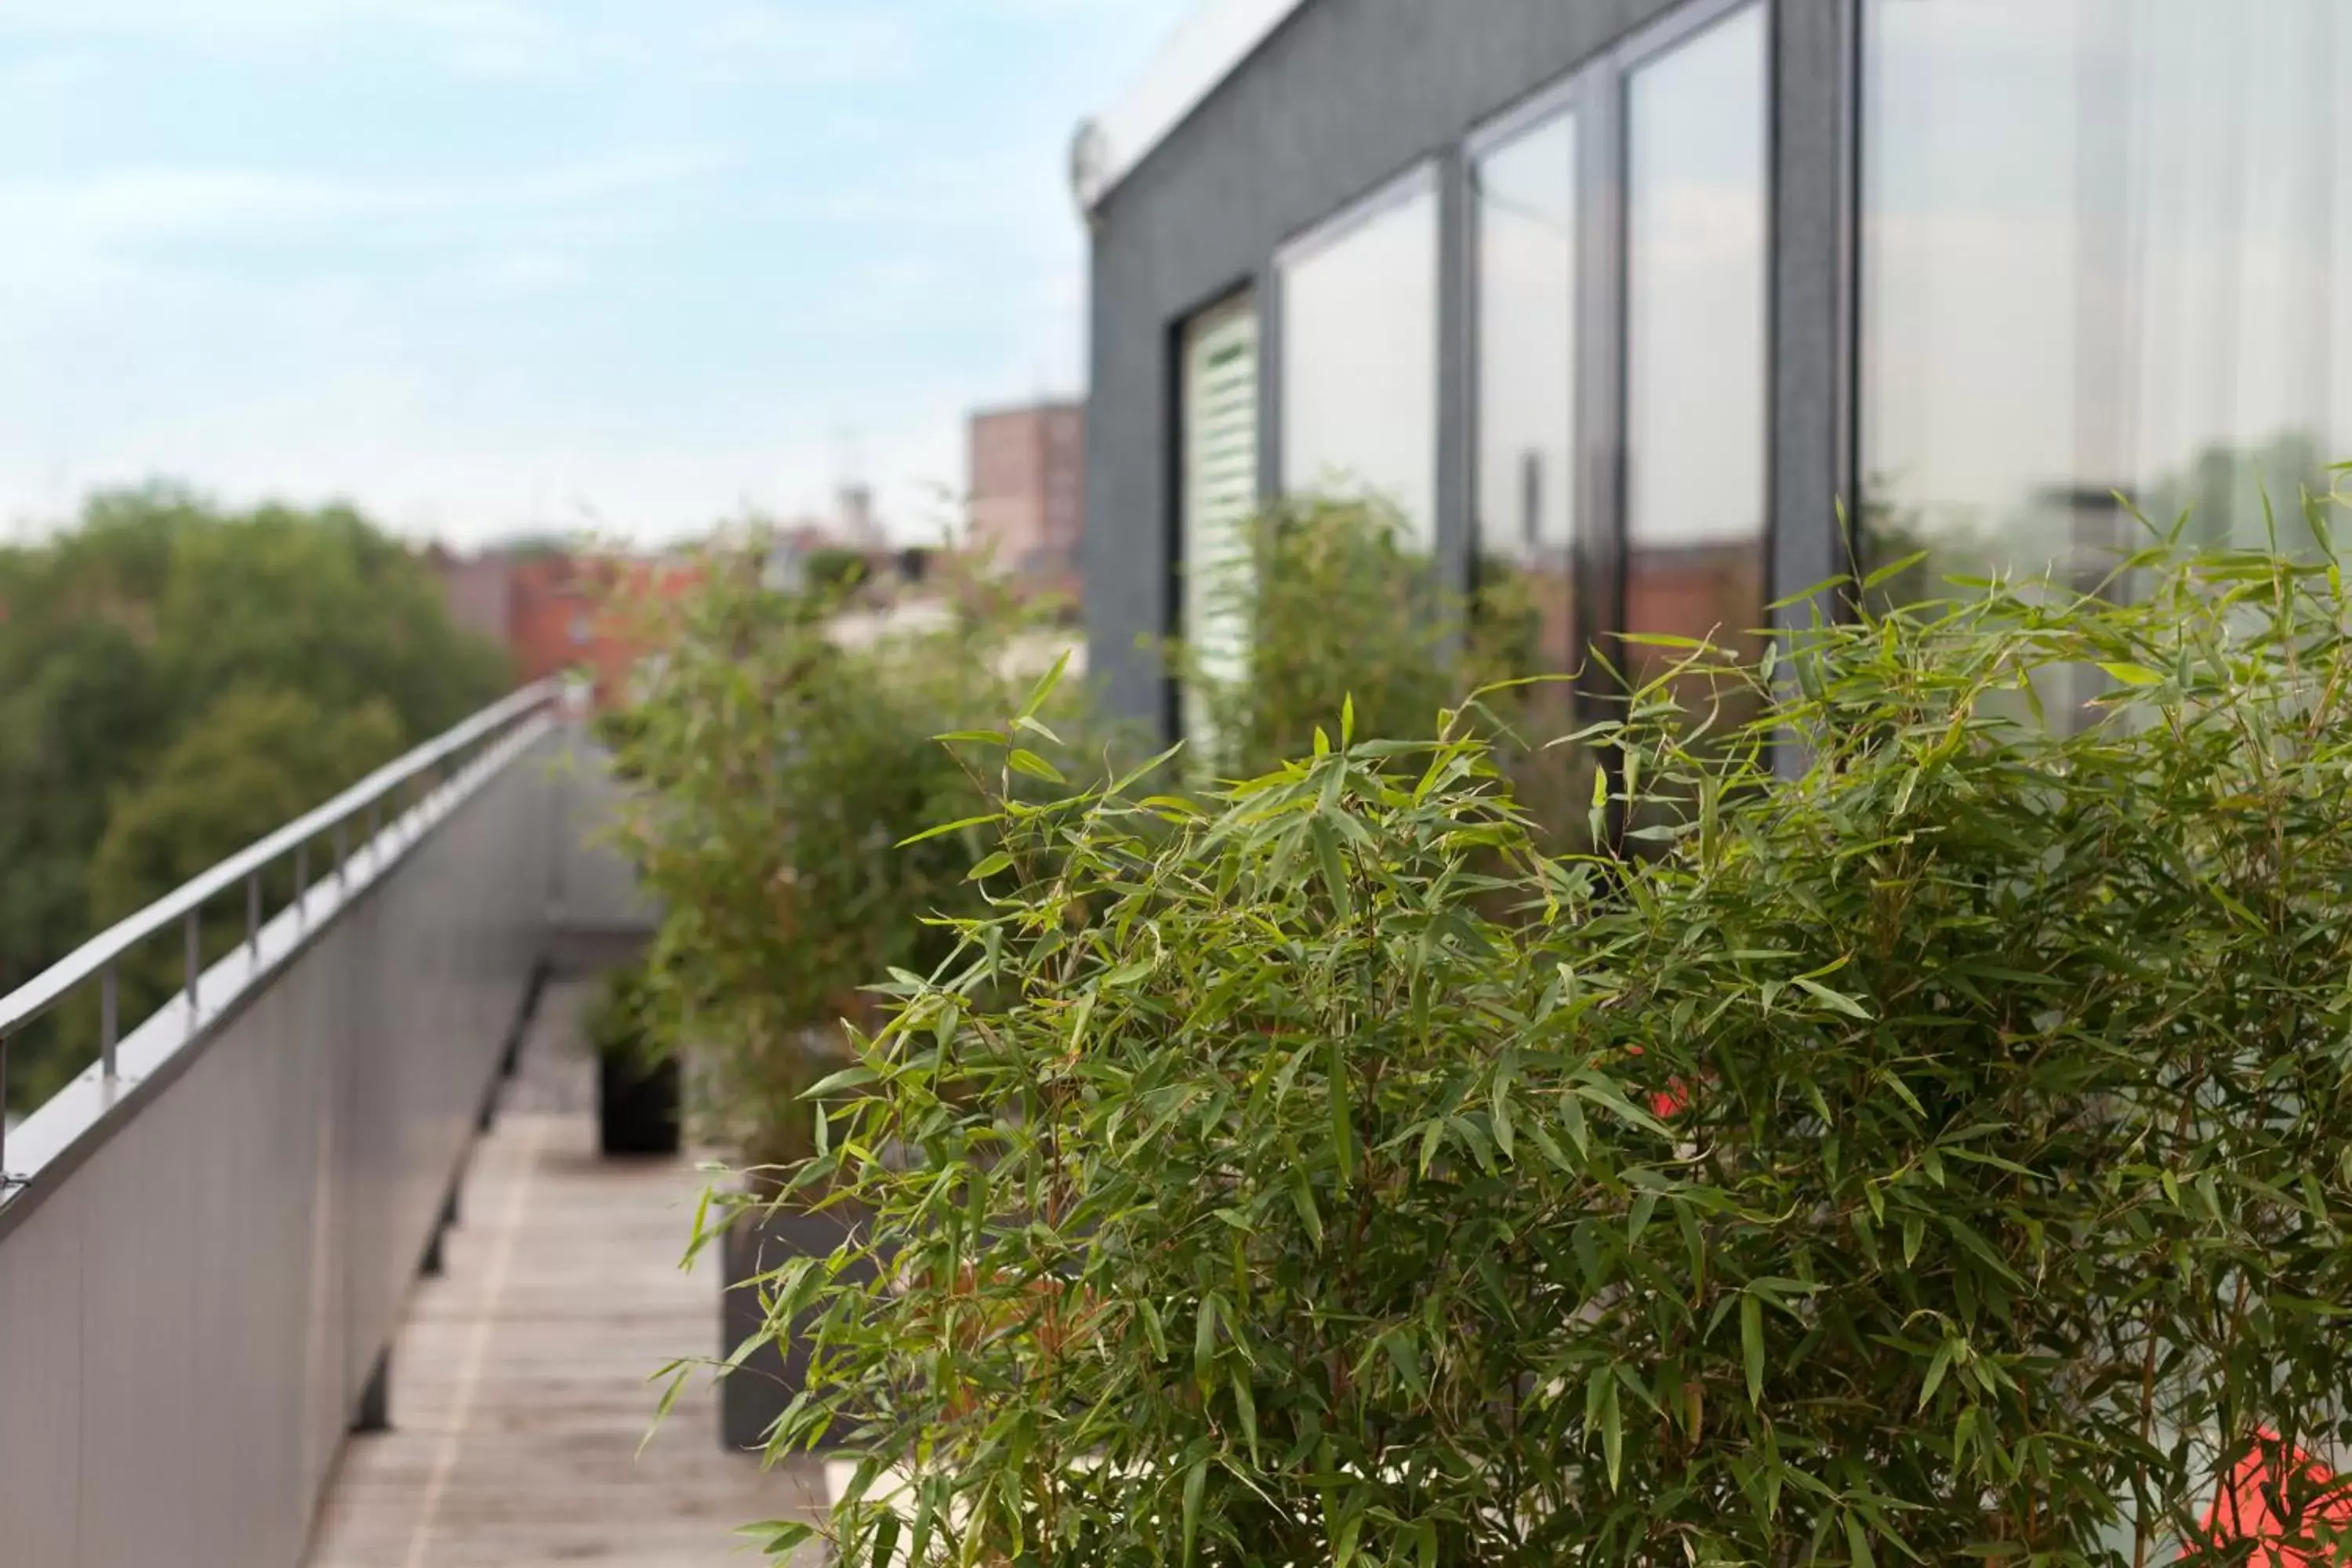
x: 600, y: 918
x: 1345, y: 95
x: 198, y: 1285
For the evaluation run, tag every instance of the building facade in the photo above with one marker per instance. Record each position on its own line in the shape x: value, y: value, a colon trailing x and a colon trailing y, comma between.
x: 1027, y: 487
x: 1678, y: 308
x: 556, y: 613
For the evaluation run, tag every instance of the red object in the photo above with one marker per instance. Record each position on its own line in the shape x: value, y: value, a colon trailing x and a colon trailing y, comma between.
x: 552, y: 611
x: 1669, y: 1101
x: 2256, y: 1501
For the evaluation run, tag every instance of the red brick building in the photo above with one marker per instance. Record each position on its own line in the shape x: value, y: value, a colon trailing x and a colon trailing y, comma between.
x: 1028, y: 483
x: 555, y: 611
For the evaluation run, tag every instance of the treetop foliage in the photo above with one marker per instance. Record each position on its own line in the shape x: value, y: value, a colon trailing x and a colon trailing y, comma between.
x: 175, y: 681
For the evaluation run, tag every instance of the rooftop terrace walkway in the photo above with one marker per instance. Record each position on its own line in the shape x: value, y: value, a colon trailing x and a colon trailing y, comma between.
x: 518, y: 1390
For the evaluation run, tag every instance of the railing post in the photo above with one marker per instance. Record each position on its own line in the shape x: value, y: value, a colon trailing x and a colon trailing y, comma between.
x: 344, y: 853
x: 195, y: 958
x: 6, y: 1180
x: 109, y: 1022
x: 302, y: 885
x: 253, y: 914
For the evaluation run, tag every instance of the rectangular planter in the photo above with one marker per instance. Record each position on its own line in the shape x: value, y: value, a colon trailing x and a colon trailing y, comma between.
x: 754, y: 1395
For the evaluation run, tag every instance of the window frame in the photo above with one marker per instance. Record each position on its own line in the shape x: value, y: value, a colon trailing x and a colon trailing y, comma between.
x: 1648, y: 46
x: 1597, y: 92
x: 1581, y: 98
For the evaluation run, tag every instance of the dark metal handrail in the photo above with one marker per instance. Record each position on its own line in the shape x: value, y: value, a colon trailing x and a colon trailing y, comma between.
x: 99, y: 958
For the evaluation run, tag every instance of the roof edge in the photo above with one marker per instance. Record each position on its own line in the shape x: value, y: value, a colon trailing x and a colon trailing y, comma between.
x: 1205, y: 49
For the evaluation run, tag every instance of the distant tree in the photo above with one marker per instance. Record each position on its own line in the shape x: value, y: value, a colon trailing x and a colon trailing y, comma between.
x: 321, y: 603
x: 532, y: 546
x: 252, y: 762
x: 175, y: 680
x: 832, y: 568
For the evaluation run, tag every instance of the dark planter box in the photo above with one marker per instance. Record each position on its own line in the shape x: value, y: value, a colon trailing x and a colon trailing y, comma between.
x: 637, y: 1105
x: 753, y: 1397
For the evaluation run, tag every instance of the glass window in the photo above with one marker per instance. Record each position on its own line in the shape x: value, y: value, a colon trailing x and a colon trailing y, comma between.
x: 1218, y: 487
x: 1359, y: 358
x: 1526, y: 294
x: 1696, y: 282
x: 2106, y: 247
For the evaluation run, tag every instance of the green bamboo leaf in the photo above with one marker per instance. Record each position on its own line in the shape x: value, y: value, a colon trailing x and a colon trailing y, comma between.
x: 1937, y: 1366
x: 1612, y: 1434
x: 1405, y: 1356
x: 1021, y: 760
x: 834, y: 1083
x: 1334, y: 871
x: 927, y: 1511
x: 946, y: 827
x: 1040, y: 694
x: 1751, y: 1347
x: 675, y: 1378
x: 1302, y: 1198
x: 1645, y: 1204
x: 1034, y: 728
x: 1858, y: 1537
x: 1154, y: 1330
x: 1837, y: 999
x: 1196, y: 1486
x: 1344, y: 1549
x: 1204, y: 1341
x: 2134, y: 674
x: 778, y: 1536
x: 1343, y: 1110
x: 1499, y: 1100
x: 1245, y: 1405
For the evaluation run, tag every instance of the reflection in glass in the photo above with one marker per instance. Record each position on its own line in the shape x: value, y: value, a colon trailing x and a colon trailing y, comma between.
x: 1526, y: 294
x: 1359, y: 360
x: 1696, y: 286
x: 2106, y: 247
x: 1524, y: 501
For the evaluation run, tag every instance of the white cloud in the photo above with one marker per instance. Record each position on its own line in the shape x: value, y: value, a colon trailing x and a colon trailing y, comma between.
x: 232, y: 22
x: 160, y: 202
x: 466, y: 337
x: 797, y: 41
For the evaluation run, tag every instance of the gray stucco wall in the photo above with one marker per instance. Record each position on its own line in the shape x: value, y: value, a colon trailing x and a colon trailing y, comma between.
x: 1344, y: 96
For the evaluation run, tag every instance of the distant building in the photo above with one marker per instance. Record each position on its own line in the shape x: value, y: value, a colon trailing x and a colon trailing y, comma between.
x: 481, y: 589
x: 555, y: 611
x: 854, y: 511
x: 1028, y: 480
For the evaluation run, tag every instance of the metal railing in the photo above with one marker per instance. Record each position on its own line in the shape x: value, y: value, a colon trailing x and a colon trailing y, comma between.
x: 413, y: 780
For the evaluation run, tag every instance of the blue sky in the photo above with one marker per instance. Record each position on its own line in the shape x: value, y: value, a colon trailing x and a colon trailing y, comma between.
x: 483, y: 265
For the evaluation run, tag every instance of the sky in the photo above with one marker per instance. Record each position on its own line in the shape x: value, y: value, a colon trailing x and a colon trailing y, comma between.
x: 487, y: 267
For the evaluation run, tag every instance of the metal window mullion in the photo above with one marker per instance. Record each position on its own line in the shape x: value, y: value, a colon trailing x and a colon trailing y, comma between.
x: 1599, y: 539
